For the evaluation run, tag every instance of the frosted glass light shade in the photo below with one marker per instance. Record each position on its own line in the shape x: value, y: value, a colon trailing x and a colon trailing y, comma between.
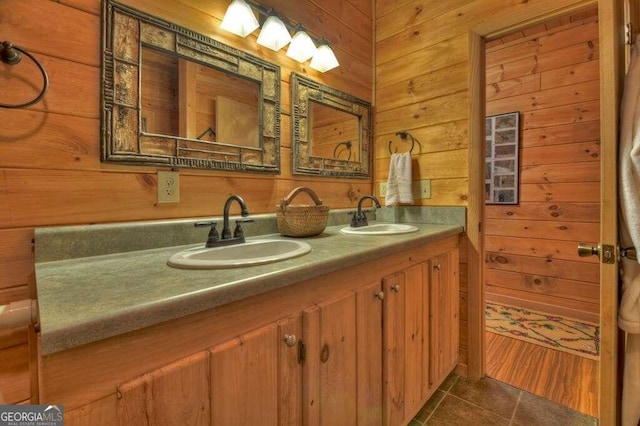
x: 239, y: 19
x: 274, y: 34
x: 324, y: 59
x: 301, y: 47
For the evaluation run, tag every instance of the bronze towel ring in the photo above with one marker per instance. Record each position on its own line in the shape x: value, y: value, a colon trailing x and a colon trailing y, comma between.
x: 10, y: 54
x: 347, y: 144
x: 403, y: 135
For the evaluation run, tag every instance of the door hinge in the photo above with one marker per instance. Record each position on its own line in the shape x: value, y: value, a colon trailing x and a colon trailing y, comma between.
x: 302, y: 353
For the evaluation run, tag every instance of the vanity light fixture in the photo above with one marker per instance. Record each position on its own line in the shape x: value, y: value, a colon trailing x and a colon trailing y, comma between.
x: 324, y: 58
x: 239, y: 19
x: 274, y: 34
x: 302, y: 46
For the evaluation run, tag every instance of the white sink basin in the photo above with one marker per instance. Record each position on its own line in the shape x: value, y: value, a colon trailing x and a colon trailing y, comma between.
x: 250, y: 253
x: 380, y: 229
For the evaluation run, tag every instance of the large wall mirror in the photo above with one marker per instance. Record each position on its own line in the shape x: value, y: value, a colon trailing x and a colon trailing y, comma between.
x: 331, y: 131
x: 172, y: 97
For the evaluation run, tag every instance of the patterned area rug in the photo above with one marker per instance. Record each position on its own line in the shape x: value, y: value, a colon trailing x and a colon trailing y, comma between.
x: 559, y: 333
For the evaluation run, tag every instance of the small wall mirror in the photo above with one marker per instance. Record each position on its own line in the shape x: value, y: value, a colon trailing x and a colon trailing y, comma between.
x: 331, y: 131
x: 172, y: 97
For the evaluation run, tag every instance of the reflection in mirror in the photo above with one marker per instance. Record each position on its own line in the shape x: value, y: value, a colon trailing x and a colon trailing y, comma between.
x: 334, y: 133
x: 186, y: 99
x: 173, y: 97
x: 331, y: 131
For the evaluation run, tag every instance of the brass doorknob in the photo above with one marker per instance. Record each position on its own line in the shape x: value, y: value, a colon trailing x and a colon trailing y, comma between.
x: 290, y: 339
x: 585, y: 250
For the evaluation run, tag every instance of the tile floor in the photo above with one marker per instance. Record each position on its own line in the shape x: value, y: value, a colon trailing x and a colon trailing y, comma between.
x: 490, y: 402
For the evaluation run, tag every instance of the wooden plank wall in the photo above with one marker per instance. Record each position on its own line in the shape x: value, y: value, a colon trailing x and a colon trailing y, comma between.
x: 551, y: 77
x: 50, y: 169
x: 422, y: 85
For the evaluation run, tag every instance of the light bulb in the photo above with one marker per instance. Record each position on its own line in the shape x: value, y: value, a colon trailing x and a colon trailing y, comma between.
x: 274, y: 34
x: 239, y: 19
x: 324, y: 59
x: 302, y: 46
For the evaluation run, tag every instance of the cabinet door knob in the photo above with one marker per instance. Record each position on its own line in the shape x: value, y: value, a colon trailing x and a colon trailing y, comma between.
x: 290, y: 339
x: 379, y: 295
x: 395, y: 288
x: 436, y: 267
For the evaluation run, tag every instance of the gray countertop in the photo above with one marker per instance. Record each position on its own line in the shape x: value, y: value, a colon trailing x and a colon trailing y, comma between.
x: 87, y: 299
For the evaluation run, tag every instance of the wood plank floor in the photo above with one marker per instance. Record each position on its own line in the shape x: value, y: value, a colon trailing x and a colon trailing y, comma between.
x: 561, y: 377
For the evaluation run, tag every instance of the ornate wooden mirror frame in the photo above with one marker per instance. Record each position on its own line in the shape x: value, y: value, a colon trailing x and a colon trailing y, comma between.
x: 124, y: 139
x: 303, y: 92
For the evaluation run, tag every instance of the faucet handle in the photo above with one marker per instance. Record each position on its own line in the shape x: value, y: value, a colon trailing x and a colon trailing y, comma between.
x: 213, y: 236
x: 238, y: 232
x: 205, y: 223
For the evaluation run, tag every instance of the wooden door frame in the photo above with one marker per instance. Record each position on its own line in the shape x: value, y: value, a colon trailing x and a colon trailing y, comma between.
x: 610, y: 18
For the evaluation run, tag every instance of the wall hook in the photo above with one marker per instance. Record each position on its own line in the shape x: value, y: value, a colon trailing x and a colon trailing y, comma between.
x: 10, y: 54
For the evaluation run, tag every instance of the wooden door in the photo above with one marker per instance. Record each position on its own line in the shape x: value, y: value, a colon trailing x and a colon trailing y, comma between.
x: 443, y: 316
x: 343, y: 365
x: 369, y: 355
x: 330, y: 372
x: 256, y: 378
x: 611, y: 25
x: 611, y: 76
x: 393, y: 355
x: 175, y: 394
x: 405, y: 344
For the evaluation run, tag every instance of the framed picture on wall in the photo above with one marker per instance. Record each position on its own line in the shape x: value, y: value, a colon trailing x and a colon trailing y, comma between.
x: 501, y: 158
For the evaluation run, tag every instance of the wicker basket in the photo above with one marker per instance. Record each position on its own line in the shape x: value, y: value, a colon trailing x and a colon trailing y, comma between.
x: 301, y: 220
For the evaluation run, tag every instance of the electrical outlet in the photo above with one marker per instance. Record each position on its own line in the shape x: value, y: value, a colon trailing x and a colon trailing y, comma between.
x: 421, y: 189
x: 383, y: 189
x: 168, y: 187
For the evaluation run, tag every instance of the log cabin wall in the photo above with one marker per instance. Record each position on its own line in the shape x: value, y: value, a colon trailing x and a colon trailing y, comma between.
x: 50, y: 169
x: 550, y: 74
x: 422, y: 85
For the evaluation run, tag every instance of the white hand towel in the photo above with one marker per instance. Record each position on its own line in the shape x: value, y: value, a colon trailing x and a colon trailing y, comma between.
x: 399, y: 180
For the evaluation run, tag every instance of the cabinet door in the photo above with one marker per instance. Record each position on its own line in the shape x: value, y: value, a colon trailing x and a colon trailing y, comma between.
x: 171, y: 395
x: 102, y: 412
x: 444, y: 317
x: 369, y: 355
x: 405, y: 344
x: 256, y: 378
x: 330, y: 370
x: 342, y: 373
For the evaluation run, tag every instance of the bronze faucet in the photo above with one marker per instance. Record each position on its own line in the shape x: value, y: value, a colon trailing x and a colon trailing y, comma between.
x: 359, y: 218
x: 214, y: 239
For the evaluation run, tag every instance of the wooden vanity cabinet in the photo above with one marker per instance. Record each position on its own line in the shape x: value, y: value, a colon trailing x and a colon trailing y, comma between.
x: 367, y: 345
x: 444, y: 315
x: 257, y: 378
x: 252, y: 379
x: 420, y: 334
x: 342, y: 373
x: 175, y: 394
